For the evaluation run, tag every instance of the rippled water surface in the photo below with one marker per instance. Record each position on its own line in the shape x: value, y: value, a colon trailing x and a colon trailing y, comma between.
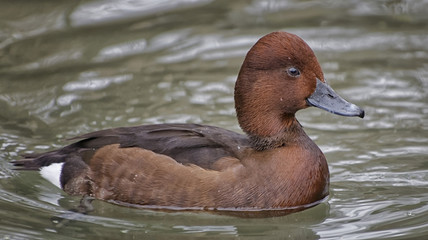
x: 70, y: 67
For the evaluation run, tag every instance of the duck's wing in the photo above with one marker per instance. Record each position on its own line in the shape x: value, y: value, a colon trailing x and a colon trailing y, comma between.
x: 201, y: 145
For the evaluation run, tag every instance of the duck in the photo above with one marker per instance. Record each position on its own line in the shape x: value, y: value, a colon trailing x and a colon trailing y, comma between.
x: 273, y: 165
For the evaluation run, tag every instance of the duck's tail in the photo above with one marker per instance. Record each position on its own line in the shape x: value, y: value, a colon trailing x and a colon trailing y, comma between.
x: 49, y: 164
x: 39, y: 160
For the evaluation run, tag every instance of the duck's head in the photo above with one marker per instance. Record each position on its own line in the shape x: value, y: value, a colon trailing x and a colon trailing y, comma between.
x: 281, y: 75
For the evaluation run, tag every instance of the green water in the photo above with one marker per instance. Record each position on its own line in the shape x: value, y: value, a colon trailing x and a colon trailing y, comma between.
x: 71, y: 67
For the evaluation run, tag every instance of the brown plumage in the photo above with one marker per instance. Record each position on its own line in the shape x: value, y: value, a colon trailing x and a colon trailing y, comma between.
x: 276, y: 166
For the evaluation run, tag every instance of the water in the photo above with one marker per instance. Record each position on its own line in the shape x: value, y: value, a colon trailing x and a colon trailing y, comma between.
x: 67, y: 68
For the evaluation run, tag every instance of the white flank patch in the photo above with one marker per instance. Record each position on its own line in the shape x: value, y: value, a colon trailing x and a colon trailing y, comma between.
x: 52, y: 173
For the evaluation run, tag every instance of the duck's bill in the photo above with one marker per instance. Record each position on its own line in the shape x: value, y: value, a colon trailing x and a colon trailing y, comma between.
x: 326, y: 98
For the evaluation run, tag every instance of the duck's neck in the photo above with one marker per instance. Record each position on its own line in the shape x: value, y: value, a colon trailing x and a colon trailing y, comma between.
x: 290, y: 132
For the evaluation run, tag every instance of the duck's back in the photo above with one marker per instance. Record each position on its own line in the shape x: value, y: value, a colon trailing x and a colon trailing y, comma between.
x: 200, y: 145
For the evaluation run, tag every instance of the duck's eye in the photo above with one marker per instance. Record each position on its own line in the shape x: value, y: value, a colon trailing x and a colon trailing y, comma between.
x: 294, y: 72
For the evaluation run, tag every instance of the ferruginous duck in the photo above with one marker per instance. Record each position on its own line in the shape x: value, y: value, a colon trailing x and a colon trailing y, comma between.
x: 274, y: 166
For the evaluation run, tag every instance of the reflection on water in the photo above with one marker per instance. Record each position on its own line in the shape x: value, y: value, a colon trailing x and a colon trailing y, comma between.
x: 73, y: 67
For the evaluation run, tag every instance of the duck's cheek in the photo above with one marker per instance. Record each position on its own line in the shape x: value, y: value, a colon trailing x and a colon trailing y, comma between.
x: 291, y: 106
x: 303, y: 105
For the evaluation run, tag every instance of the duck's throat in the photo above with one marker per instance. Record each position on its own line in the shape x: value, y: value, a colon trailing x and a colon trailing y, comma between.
x: 289, y: 133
